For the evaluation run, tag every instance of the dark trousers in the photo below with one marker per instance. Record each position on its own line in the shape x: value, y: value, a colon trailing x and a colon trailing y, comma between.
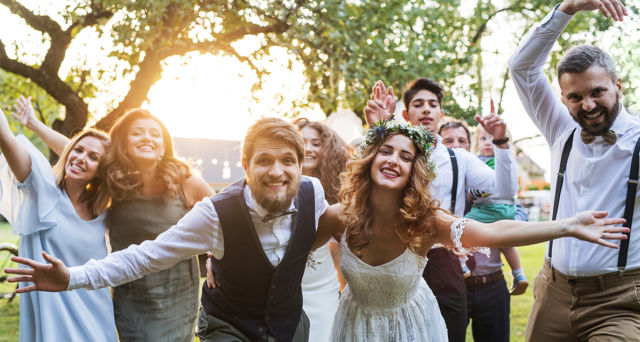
x: 489, y: 306
x: 444, y: 276
x: 212, y: 329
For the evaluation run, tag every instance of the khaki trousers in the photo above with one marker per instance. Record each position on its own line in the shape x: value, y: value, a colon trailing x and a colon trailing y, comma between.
x: 596, y: 308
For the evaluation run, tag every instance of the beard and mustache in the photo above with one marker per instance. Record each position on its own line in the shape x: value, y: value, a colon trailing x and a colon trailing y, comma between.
x: 278, y: 202
x: 610, y: 115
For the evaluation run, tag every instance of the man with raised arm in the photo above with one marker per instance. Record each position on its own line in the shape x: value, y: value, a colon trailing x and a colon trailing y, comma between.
x: 457, y: 168
x: 583, y: 292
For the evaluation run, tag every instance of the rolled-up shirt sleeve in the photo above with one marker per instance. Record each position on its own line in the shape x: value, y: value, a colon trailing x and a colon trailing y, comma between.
x: 197, y: 232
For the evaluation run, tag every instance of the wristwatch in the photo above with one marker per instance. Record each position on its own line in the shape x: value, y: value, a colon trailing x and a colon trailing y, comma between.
x: 500, y: 141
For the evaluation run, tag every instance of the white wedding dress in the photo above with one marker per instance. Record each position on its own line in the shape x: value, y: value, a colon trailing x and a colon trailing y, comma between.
x: 389, y: 302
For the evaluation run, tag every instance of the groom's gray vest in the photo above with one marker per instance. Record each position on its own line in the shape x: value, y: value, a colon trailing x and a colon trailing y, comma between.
x: 254, y: 296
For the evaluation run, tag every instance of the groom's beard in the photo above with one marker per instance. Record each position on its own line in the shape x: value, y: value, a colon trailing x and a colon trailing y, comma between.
x: 275, y: 202
x: 610, y: 115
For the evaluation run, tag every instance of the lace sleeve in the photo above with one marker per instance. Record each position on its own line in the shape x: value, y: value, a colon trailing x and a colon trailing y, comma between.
x: 457, y: 228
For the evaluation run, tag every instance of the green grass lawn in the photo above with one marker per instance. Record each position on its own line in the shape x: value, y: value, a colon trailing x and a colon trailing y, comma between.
x: 9, y: 313
x: 531, y: 258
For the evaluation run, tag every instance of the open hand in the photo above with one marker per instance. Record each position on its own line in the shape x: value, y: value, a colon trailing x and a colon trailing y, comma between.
x: 382, y: 104
x: 594, y: 226
x: 609, y: 8
x: 53, y: 277
x: 24, y: 112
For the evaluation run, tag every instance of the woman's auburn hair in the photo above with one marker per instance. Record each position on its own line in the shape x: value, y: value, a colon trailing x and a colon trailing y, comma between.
x: 124, y: 180
x: 335, y: 156
x: 417, y: 211
x: 94, y: 194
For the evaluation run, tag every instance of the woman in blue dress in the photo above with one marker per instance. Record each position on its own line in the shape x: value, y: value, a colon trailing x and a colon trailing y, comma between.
x: 59, y: 210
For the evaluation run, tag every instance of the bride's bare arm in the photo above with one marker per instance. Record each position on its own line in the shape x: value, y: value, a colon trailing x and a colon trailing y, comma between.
x: 591, y: 226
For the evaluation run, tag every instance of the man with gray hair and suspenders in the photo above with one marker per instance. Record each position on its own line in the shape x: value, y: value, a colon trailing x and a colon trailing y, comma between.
x: 584, y: 292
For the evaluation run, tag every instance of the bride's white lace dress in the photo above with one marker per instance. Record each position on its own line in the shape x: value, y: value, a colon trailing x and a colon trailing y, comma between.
x: 389, y: 302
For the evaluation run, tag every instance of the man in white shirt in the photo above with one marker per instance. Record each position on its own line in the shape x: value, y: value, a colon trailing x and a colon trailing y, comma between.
x: 423, y: 99
x: 583, y: 292
x: 260, y: 231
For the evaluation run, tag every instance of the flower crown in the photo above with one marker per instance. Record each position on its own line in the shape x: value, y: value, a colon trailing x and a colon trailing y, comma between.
x: 422, y: 137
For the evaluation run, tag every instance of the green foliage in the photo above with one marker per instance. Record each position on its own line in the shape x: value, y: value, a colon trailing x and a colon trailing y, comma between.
x: 46, y: 108
x: 345, y: 46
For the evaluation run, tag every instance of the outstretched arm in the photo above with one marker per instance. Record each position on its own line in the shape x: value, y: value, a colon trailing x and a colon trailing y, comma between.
x: 592, y: 226
x: 23, y: 112
x: 16, y: 155
x: 197, y: 232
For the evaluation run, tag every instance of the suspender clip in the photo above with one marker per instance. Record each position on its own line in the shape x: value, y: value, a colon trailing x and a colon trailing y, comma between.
x: 633, y: 181
x: 620, y: 271
x: 561, y: 175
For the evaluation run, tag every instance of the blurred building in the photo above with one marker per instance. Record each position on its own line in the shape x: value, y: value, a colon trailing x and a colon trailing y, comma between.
x: 217, y: 161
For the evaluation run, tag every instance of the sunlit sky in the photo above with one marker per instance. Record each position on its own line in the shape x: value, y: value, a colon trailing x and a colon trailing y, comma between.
x: 210, y: 96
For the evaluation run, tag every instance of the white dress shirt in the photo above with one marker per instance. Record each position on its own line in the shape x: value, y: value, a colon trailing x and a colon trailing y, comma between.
x: 197, y: 232
x: 597, y: 173
x: 473, y: 173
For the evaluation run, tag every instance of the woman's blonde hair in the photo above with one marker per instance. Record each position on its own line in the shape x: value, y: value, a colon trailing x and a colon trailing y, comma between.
x: 417, y: 210
x: 94, y: 193
x: 334, y: 159
x: 123, y: 178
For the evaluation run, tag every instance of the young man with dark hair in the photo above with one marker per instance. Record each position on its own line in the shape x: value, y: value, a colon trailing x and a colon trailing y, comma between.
x: 583, y: 292
x: 457, y: 170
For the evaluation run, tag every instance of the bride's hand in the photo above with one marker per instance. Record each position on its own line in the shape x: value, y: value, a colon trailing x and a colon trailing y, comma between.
x: 594, y: 226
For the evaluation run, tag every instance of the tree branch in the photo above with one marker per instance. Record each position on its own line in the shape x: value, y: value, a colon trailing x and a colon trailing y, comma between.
x: 483, y: 27
x: 41, y: 23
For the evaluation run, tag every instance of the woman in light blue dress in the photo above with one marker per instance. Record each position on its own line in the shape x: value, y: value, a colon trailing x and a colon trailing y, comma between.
x: 60, y: 211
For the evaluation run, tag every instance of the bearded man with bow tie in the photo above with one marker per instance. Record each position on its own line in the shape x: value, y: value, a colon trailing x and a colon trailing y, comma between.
x: 583, y: 292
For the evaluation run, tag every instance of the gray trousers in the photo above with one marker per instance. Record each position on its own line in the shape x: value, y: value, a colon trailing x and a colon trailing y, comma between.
x: 212, y: 329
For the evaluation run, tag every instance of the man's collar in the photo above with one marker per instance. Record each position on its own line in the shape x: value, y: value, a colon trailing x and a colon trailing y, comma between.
x: 253, y: 204
x: 621, y: 123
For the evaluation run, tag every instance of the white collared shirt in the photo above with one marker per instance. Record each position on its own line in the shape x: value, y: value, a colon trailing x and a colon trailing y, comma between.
x: 473, y: 173
x: 199, y: 231
x: 597, y: 173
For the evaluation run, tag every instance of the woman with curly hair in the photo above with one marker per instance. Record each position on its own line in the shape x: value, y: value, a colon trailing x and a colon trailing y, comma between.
x: 151, y: 189
x: 386, y: 223
x: 326, y: 156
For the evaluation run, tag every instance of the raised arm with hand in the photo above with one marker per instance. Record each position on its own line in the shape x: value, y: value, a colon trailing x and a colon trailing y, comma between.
x: 15, y: 154
x: 382, y: 104
x: 592, y: 226
x: 23, y: 112
x: 609, y: 8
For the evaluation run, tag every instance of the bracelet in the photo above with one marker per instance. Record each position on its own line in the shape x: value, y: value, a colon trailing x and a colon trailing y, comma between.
x: 500, y: 141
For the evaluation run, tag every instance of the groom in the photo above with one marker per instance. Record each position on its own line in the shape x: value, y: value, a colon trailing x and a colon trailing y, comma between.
x: 260, y: 231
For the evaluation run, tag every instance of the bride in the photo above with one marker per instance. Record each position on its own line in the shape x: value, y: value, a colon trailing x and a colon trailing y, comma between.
x: 386, y: 222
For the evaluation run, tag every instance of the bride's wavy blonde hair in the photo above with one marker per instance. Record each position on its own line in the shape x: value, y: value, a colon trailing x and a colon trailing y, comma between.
x: 417, y: 208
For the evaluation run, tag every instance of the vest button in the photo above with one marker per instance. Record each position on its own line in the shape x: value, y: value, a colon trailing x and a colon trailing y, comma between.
x: 273, y: 286
x: 266, y: 318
